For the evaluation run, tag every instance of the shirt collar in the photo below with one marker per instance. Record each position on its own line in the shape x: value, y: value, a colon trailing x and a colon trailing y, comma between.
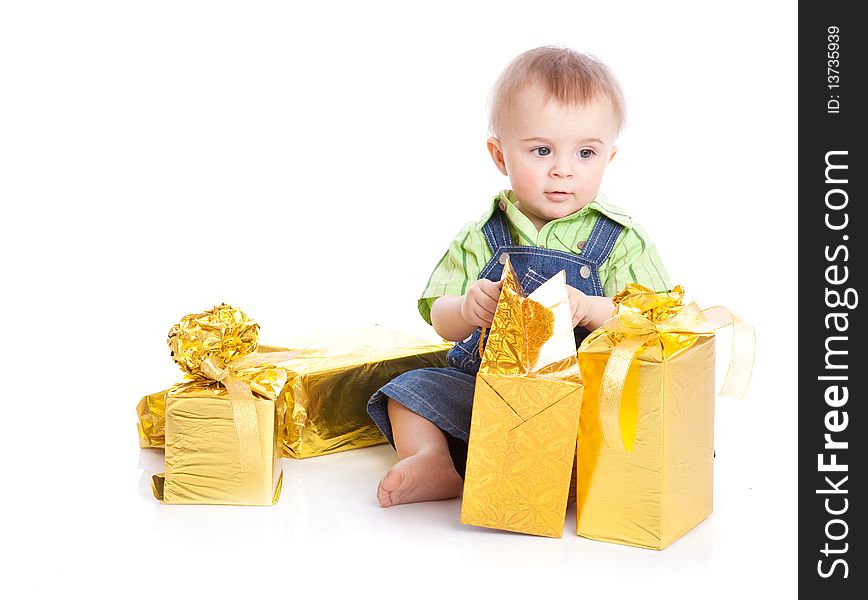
x: 600, y: 204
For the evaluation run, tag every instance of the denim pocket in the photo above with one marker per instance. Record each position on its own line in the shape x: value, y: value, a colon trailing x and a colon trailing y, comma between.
x: 456, y: 356
x: 464, y: 355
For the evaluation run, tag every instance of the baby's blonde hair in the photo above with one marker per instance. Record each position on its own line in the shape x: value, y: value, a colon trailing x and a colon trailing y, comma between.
x: 570, y: 78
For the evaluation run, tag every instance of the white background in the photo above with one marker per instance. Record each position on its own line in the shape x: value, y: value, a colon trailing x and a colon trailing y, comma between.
x: 157, y: 158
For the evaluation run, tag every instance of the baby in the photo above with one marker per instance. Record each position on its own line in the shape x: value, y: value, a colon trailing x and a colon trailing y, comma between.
x: 555, y: 116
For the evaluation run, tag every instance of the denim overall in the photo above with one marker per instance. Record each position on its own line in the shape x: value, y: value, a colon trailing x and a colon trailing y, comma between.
x: 444, y: 396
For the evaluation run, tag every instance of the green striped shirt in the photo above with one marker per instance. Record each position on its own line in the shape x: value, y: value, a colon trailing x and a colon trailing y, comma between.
x: 634, y: 258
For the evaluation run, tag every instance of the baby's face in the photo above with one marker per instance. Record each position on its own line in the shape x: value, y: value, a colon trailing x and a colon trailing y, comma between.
x: 554, y: 155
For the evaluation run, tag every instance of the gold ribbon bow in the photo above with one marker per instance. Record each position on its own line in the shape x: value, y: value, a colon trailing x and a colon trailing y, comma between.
x: 219, y: 345
x: 644, y: 319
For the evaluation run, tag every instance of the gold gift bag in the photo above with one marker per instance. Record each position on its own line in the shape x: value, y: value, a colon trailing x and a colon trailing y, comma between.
x: 525, y: 413
x: 645, y: 445
x: 222, y: 426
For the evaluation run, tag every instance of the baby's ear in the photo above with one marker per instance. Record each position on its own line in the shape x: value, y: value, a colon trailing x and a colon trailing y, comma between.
x: 613, y: 153
x: 496, y: 154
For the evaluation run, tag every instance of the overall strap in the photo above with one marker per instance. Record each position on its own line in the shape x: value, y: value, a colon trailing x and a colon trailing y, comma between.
x: 602, y: 240
x: 496, y: 231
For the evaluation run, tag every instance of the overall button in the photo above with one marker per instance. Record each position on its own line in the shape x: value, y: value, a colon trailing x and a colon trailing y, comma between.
x: 502, y: 205
x: 585, y: 271
x: 503, y: 257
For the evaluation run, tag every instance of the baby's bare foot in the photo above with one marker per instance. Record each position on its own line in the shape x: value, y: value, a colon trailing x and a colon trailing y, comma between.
x: 421, y: 477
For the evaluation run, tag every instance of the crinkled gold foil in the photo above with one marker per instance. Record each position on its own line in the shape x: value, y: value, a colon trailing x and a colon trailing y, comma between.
x: 525, y: 414
x: 657, y: 306
x: 222, y: 333
x: 637, y: 303
x: 151, y: 411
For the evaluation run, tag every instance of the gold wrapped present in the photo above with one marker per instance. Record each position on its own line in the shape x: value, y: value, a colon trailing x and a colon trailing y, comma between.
x: 330, y: 379
x: 645, y: 445
x: 222, y: 426
x: 525, y: 413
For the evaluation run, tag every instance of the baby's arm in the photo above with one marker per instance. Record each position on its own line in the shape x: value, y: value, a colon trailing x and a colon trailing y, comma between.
x: 455, y: 317
x: 589, y: 311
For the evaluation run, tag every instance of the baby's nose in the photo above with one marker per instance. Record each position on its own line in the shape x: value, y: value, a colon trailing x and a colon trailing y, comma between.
x: 561, y: 169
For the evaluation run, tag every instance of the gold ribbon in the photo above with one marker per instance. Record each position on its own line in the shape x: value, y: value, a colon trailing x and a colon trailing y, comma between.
x: 632, y: 331
x: 241, y: 397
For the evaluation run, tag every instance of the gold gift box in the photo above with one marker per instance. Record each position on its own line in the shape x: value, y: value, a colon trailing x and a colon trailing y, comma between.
x: 651, y: 496
x: 330, y: 380
x: 221, y: 427
x: 525, y: 414
x: 203, y: 462
x: 645, y: 451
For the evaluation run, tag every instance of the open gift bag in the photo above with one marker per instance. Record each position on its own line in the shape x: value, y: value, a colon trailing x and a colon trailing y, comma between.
x: 525, y: 413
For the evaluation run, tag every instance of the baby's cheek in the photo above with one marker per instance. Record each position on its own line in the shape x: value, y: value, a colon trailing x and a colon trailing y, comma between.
x: 593, y: 177
x: 523, y: 180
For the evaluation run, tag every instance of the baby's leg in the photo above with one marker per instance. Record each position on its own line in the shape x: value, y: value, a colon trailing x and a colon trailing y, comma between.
x: 425, y: 471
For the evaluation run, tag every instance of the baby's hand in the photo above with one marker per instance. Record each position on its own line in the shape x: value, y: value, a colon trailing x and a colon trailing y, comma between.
x: 589, y: 311
x: 480, y: 302
x: 578, y: 307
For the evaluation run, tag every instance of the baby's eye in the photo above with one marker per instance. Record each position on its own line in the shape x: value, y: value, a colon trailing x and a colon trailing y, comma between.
x: 542, y: 151
x: 586, y: 153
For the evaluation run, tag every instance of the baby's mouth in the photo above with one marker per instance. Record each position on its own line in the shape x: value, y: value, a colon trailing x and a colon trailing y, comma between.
x: 558, y: 195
